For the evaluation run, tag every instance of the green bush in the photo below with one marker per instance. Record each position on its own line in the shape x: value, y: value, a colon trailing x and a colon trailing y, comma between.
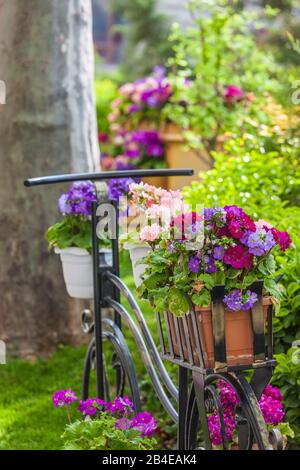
x: 218, y: 51
x: 102, y: 434
x: 266, y: 185
x: 106, y: 91
x: 287, y: 377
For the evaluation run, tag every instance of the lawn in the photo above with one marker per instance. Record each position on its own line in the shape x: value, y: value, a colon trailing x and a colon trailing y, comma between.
x: 28, y: 419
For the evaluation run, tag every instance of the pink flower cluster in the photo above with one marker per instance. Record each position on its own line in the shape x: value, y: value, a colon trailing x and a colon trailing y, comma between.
x: 270, y: 404
x: 137, y: 103
x: 158, y: 207
x: 152, y: 91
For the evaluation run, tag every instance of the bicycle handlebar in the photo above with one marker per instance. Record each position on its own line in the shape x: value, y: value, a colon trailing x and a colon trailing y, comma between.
x: 106, y: 175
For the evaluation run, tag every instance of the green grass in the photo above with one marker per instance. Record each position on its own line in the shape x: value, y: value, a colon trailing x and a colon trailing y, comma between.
x: 28, y: 419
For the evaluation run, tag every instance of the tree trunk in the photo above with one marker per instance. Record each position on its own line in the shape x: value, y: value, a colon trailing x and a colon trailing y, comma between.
x: 47, y: 126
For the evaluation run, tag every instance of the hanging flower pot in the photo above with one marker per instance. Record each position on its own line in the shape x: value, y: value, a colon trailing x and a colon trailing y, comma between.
x: 77, y: 265
x: 137, y: 252
x: 71, y: 239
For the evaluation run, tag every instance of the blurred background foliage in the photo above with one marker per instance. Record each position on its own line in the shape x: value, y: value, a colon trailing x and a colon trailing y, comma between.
x: 258, y: 168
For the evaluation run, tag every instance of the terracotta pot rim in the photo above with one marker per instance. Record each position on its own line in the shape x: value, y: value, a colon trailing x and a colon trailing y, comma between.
x: 267, y: 300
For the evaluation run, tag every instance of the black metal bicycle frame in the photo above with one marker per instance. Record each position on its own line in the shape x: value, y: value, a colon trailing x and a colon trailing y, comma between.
x: 192, y: 401
x: 102, y: 287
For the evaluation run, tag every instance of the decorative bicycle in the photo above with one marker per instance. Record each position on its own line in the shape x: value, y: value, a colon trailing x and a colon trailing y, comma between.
x: 197, y: 394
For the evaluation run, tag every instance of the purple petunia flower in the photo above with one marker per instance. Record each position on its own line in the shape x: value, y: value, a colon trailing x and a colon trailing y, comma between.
x: 145, y: 423
x: 78, y: 200
x: 258, y: 242
x: 249, y: 300
x: 235, y: 301
x: 123, y: 424
x: 218, y: 253
x: 63, y: 205
x: 64, y: 397
x: 214, y: 213
x: 194, y: 264
x: 118, y: 187
x: 210, y: 264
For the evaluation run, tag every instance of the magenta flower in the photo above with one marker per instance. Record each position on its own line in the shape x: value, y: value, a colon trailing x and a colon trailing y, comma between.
x: 238, y: 257
x: 91, y: 406
x: 233, y: 94
x: 273, y: 392
x: 272, y: 410
x: 270, y: 405
x: 119, y: 405
x: 282, y: 239
x: 144, y: 423
x: 64, y: 397
x: 215, y: 428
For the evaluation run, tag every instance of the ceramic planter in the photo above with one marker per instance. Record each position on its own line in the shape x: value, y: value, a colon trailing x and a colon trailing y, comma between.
x: 238, y: 335
x: 77, y: 267
x: 137, y: 252
x: 178, y: 156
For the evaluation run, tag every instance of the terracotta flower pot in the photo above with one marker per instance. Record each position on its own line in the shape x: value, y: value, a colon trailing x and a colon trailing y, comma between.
x: 238, y: 335
x: 178, y: 156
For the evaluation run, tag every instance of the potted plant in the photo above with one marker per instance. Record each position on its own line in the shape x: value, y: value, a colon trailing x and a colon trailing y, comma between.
x: 105, y: 425
x: 71, y: 239
x: 217, y: 246
x: 150, y: 209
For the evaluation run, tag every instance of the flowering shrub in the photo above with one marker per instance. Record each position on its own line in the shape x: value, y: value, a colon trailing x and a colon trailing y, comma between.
x: 75, y: 228
x: 106, y: 425
x: 218, y: 74
x: 270, y: 404
x: 140, y: 99
x: 216, y: 246
x: 133, y: 139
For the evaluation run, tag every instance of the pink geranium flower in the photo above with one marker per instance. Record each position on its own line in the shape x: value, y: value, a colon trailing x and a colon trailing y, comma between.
x: 150, y: 233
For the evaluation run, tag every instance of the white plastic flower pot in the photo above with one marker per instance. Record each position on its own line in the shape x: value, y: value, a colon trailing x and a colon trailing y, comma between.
x: 77, y: 264
x: 137, y: 252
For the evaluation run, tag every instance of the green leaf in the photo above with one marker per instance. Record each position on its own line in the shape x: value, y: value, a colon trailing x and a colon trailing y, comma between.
x: 178, y: 302
x: 155, y: 280
x: 202, y: 299
x: 208, y: 280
